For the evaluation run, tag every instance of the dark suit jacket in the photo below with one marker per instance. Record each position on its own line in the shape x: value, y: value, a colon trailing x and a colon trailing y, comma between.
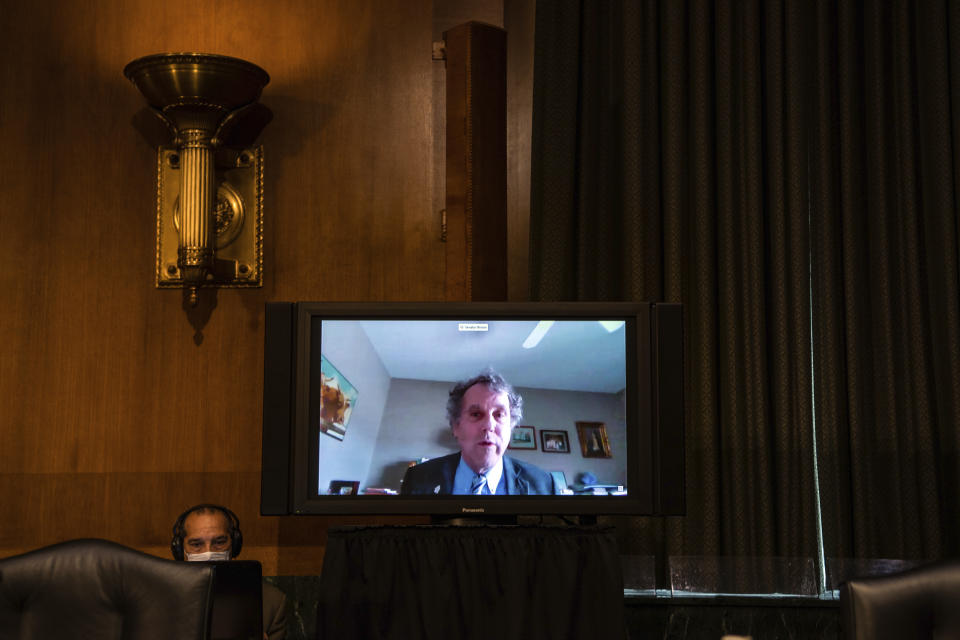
x: 436, y: 477
x: 274, y: 612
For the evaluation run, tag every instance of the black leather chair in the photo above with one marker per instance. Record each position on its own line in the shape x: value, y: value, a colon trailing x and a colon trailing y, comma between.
x: 100, y: 590
x: 920, y: 603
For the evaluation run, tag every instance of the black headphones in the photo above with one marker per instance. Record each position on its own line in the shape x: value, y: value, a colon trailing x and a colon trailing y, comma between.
x: 233, y: 528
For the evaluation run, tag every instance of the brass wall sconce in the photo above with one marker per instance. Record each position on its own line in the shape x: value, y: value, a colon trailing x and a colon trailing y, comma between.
x: 209, y: 172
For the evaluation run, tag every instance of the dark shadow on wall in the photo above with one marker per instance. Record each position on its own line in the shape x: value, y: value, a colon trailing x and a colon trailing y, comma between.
x: 199, y: 315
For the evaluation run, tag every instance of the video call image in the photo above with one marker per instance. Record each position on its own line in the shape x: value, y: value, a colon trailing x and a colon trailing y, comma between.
x: 383, y: 388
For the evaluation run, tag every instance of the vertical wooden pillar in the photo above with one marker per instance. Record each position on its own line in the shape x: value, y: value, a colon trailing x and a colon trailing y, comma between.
x: 476, y: 167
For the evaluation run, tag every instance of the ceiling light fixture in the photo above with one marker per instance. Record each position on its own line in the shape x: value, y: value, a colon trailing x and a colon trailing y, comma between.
x: 611, y: 325
x: 537, y: 334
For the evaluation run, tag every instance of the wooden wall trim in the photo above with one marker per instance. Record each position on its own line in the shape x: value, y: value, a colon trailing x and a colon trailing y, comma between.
x: 476, y: 163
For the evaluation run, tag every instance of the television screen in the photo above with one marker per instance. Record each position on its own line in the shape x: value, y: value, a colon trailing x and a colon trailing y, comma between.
x: 460, y: 408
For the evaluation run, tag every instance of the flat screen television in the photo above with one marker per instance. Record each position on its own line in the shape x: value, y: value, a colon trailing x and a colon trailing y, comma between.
x: 355, y: 394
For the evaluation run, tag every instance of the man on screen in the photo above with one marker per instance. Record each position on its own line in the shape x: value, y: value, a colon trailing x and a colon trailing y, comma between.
x: 482, y: 413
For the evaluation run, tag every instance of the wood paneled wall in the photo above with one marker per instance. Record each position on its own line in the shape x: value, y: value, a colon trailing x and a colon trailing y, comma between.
x: 119, y: 408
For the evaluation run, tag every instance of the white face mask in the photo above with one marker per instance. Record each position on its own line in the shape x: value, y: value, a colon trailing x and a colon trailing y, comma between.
x: 208, y: 556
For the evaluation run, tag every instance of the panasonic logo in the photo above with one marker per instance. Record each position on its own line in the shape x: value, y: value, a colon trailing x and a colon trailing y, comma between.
x: 472, y: 509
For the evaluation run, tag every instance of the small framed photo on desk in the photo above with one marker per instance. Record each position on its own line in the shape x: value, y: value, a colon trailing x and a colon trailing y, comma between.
x: 344, y: 487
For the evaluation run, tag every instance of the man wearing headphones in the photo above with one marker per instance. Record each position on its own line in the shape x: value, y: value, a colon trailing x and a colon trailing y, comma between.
x: 207, y: 532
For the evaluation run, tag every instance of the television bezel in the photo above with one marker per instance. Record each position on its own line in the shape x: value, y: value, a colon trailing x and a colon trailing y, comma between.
x: 302, y: 495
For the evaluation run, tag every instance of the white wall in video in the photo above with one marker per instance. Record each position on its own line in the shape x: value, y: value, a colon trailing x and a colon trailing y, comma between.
x: 385, y: 386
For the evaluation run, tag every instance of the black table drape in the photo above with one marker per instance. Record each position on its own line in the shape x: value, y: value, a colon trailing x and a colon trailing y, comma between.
x: 466, y: 582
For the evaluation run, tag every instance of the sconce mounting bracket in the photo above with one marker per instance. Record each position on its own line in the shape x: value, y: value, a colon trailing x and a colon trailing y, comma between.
x: 237, y: 228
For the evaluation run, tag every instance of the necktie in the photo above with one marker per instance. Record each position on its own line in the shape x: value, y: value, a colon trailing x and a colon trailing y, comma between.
x: 479, y: 482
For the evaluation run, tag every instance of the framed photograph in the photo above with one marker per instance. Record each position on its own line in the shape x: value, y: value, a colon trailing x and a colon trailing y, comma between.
x: 337, y: 399
x: 523, y: 438
x: 554, y: 441
x: 344, y: 487
x: 593, y: 440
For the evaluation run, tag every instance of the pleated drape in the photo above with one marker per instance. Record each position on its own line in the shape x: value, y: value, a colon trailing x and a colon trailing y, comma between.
x: 786, y: 170
x: 471, y: 582
x: 884, y: 216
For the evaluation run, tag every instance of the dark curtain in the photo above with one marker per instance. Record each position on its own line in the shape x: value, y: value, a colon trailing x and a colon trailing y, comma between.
x: 786, y: 171
x: 884, y: 218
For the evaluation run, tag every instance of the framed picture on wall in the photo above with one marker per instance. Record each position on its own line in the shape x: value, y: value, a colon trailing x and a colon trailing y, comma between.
x: 593, y: 440
x: 337, y: 399
x: 523, y: 438
x: 554, y: 441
